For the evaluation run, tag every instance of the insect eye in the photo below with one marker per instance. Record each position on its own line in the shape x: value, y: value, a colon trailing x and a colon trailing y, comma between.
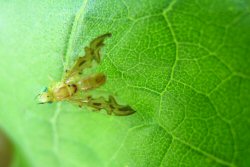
x: 45, y: 89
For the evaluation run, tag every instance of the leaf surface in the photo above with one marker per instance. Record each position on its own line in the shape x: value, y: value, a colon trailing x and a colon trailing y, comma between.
x: 183, y: 65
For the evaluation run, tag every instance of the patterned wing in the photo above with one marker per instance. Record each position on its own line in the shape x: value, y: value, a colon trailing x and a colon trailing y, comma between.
x: 92, y: 52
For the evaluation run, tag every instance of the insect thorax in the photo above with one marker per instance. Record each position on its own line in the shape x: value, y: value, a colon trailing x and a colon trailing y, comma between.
x: 63, y: 91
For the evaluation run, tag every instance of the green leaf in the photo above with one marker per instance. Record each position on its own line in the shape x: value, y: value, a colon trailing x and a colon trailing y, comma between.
x: 183, y: 65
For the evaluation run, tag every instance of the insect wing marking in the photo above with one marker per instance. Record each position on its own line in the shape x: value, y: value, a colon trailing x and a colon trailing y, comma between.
x: 92, y: 52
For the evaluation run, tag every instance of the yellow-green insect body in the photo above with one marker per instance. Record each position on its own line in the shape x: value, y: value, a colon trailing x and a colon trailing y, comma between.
x: 73, y: 85
x: 57, y: 92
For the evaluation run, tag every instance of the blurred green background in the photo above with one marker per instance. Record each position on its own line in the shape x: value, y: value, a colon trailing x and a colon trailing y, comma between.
x: 183, y: 65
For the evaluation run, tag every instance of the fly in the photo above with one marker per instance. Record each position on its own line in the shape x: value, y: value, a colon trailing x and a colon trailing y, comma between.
x: 73, y: 84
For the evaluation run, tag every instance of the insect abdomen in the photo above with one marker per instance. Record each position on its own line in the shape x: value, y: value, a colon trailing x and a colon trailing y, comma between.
x: 91, y: 82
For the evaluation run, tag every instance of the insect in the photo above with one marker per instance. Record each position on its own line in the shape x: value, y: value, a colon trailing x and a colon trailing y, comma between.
x: 76, y: 89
